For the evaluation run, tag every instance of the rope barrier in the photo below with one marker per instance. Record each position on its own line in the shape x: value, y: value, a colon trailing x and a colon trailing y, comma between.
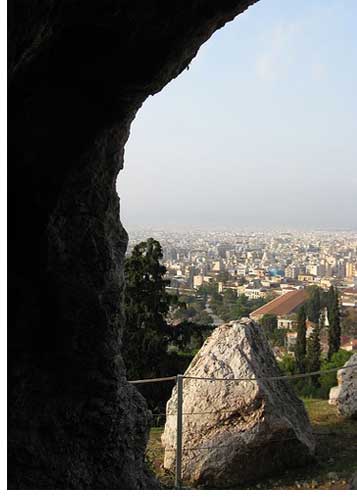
x: 214, y: 379
x: 179, y: 449
x: 148, y: 380
x: 279, y: 377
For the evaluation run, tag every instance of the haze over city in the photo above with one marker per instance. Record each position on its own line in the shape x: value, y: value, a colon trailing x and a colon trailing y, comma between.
x: 259, y: 132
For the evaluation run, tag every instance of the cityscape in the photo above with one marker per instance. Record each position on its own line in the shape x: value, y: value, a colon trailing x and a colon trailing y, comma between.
x: 257, y: 262
x: 262, y: 266
x: 183, y: 265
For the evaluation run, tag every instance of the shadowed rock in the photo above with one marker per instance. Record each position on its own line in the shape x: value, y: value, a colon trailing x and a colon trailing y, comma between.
x: 237, y: 432
x: 78, y: 73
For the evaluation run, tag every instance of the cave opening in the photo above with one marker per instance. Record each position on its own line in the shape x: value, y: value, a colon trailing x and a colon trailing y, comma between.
x: 78, y: 73
x: 264, y: 113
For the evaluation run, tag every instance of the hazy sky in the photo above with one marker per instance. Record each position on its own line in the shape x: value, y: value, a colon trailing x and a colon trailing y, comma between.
x: 261, y: 131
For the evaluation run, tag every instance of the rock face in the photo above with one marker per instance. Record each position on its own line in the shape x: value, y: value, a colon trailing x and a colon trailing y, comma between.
x: 344, y: 396
x: 78, y: 73
x: 237, y: 432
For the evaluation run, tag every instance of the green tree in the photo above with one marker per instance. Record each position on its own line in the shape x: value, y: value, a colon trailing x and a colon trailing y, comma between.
x: 300, y: 348
x: 146, y: 334
x: 203, y: 318
x: 328, y: 380
x: 349, y: 322
x: 228, y: 306
x: 287, y: 365
x: 269, y: 324
x: 330, y: 297
x: 334, y: 330
x: 188, y: 337
x: 207, y: 289
x: 229, y: 296
x: 313, y: 304
x: 313, y: 356
x: 278, y: 337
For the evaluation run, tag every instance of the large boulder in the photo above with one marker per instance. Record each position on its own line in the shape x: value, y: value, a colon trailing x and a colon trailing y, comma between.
x: 237, y: 432
x: 344, y: 395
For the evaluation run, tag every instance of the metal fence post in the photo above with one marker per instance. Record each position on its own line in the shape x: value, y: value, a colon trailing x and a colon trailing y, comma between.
x: 178, y: 471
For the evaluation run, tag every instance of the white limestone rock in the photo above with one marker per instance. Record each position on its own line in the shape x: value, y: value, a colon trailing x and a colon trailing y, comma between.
x: 334, y: 392
x: 237, y: 432
x: 344, y: 395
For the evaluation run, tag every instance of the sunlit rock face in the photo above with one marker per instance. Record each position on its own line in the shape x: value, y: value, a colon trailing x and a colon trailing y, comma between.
x: 78, y: 72
x: 344, y: 395
x: 236, y: 432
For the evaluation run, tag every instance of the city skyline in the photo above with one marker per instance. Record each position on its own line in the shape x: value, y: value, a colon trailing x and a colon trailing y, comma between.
x: 303, y: 258
x: 257, y: 263
x: 259, y: 132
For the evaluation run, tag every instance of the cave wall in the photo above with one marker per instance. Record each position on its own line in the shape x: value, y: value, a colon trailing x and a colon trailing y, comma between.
x: 78, y: 72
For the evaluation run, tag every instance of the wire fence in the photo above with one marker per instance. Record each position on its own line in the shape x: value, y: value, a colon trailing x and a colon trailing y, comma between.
x: 180, y: 448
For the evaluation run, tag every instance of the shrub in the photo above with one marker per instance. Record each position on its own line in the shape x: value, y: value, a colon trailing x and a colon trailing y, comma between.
x: 304, y: 386
x: 329, y: 380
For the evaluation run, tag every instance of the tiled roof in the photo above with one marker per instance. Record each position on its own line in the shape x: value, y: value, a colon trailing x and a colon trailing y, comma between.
x: 283, y: 305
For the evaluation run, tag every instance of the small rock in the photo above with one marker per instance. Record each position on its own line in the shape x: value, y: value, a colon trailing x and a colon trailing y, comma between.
x: 314, y: 484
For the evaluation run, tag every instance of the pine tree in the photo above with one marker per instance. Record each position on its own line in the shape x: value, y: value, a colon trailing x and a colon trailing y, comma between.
x: 147, y: 303
x: 334, y: 330
x: 313, y: 356
x: 300, y: 348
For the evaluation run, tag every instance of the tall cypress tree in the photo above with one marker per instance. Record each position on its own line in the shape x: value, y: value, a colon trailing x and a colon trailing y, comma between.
x: 300, y: 348
x: 313, y: 356
x: 313, y: 306
x: 334, y: 329
x: 330, y: 297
